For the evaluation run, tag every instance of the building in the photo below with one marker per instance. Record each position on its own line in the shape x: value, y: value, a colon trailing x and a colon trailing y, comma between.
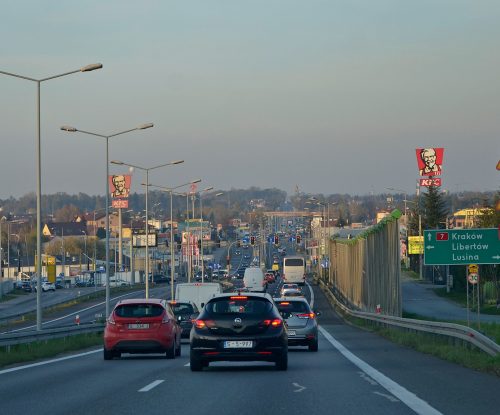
x: 469, y: 218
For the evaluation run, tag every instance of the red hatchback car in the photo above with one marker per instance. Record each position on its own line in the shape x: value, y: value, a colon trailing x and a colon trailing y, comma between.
x: 142, y: 326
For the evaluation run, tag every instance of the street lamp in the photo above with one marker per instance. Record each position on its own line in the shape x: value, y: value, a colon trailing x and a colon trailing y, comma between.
x: 107, y: 137
x: 172, y: 253
x: 147, y: 170
x: 87, y: 68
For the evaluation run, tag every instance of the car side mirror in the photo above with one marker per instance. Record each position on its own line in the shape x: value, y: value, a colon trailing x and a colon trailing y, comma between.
x: 202, y: 305
x: 318, y: 313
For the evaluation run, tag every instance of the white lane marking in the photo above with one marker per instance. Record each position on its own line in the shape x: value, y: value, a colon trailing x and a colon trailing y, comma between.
x: 367, y: 378
x: 70, y: 314
x: 311, y: 303
x: 408, y: 398
x: 187, y: 364
x: 152, y: 385
x: 14, y: 369
x: 385, y: 395
x: 300, y: 387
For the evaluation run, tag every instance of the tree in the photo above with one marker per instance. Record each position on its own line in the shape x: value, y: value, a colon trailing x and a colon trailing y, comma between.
x: 435, y: 209
x: 66, y: 214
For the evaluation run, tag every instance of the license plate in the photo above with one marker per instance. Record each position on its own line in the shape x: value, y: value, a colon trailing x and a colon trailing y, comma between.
x: 291, y: 332
x: 238, y: 344
x: 138, y: 326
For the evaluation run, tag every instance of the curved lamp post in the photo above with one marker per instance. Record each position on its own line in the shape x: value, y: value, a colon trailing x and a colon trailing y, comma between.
x: 87, y: 68
x: 147, y: 170
x: 107, y: 137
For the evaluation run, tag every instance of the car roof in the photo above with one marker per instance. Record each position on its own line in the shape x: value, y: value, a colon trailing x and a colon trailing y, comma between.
x: 243, y: 293
x: 141, y: 301
x: 290, y: 299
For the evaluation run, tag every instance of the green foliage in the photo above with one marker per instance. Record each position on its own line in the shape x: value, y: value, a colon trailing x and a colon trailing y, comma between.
x: 435, y: 210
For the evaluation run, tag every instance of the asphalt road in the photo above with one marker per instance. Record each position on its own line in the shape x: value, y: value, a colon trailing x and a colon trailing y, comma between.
x: 354, y: 372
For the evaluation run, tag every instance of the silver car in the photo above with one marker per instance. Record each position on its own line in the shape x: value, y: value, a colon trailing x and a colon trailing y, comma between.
x: 300, y: 320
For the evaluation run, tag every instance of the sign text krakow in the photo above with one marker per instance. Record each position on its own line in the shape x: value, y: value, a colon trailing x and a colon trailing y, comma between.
x: 461, y: 246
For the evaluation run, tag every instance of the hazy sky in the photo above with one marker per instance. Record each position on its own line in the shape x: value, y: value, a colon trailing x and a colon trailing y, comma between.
x: 332, y: 96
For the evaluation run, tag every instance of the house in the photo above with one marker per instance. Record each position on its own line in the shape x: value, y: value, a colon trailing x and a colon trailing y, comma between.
x: 468, y: 218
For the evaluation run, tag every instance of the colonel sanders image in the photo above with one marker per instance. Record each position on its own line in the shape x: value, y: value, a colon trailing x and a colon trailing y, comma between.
x: 429, y: 159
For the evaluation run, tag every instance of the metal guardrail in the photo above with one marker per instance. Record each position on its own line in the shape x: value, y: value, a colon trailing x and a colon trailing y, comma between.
x: 453, y: 330
x: 7, y: 340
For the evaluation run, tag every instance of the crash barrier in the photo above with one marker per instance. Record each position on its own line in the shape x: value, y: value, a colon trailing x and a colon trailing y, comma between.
x: 365, y: 271
x: 450, y: 330
x: 12, y: 339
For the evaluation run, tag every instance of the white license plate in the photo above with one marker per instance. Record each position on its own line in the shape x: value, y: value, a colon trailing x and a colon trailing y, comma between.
x: 238, y: 344
x: 138, y: 326
x: 291, y: 332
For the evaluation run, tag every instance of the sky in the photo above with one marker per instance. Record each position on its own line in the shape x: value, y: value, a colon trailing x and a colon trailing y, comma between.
x: 327, y: 96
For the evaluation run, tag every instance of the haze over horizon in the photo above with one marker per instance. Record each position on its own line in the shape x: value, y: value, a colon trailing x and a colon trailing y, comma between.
x: 330, y: 96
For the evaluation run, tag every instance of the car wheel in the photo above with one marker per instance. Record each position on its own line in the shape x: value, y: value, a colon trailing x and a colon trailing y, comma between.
x: 170, y: 353
x: 313, y: 346
x: 178, y: 349
x: 108, y: 354
x: 282, y: 362
x: 195, y: 363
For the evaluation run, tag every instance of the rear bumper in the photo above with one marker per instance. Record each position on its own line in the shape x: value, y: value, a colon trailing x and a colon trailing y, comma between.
x: 138, y: 342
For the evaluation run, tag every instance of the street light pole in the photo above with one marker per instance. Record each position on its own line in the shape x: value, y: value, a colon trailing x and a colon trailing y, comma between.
x: 107, y: 137
x: 201, y: 233
x: 87, y: 68
x: 147, y: 170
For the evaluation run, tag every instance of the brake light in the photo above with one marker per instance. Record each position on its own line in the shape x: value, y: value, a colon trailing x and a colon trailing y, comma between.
x: 273, y: 323
x: 111, y: 320
x: 239, y: 297
x: 201, y: 324
x: 305, y: 315
x: 285, y: 303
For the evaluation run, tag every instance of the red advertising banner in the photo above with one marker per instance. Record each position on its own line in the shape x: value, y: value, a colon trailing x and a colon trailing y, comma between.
x: 430, y: 161
x: 119, y: 185
x: 434, y: 181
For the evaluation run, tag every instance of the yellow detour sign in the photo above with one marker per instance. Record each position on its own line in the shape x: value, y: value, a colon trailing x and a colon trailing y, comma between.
x: 51, y: 268
x: 473, y: 269
x: 276, y: 267
x: 415, y: 245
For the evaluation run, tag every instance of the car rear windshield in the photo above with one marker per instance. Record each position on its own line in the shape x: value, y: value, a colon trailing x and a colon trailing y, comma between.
x: 239, y: 305
x: 294, y: 262
x: 139, y: 310
x: 181, y: 308
x: 293, y: 306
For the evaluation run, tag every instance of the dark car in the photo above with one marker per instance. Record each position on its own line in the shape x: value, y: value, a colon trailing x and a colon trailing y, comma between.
x: 185, y: 312
x: 236, y: 327
x: 27, y: 287
x: 142, y: 326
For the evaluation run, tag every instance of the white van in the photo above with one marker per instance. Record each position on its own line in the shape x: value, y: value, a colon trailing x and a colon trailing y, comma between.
x: 254, y: 280
x: 197, y: 292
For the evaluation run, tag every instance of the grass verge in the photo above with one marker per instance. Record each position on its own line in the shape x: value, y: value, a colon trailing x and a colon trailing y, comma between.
x: 461, y: 298
x: 50, y: 348
x: 445, y: 348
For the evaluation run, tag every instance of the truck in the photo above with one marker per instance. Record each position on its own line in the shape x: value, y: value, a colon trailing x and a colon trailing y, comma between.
x: 198, y: 292
x: 254, y: 280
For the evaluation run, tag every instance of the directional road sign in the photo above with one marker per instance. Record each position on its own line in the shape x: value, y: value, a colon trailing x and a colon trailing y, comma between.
x: 461, y: 246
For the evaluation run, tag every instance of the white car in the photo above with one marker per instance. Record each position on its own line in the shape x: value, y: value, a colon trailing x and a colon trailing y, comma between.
x: 288, y: 287
x: 47, y: 286
x: 116, y: 282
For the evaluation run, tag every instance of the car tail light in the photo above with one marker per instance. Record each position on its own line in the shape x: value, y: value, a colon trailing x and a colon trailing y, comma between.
x: 284, y: 303
x: 111, y: 319
x: 201, y: 324
x: 239, y: 297
x: 305, y: 315
x: 273, y: 323
x: 165, y: 319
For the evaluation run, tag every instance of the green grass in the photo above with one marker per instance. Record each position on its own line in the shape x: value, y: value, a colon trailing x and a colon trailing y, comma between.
x: 461, y: 298
x: 44, y: 349
x: 442, y: 347
x: 12, y: 295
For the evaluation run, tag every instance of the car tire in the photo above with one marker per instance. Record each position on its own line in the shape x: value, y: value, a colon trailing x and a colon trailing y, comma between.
x: 108, y: 354
x: 282, y: 362
x: 195, y: 363
x: 178, y: 349
x: 170, y: 353
x: 313, y: 346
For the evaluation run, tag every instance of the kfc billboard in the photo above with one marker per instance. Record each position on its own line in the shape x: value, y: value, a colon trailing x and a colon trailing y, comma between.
x: 119, y: 185
x: 430, y: 161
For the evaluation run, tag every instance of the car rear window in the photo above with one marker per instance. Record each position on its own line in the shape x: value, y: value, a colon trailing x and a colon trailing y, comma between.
x: 239, y: 305
x: 180, y: 308
x: 294, y: 262
x: 139, y: 310
x: 293, y: 306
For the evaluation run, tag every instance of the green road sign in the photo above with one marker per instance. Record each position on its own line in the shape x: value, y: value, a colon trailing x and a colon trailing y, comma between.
x: 461, y: 246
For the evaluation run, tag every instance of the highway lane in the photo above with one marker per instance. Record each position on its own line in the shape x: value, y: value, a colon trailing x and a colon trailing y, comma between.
x: 389, y: 380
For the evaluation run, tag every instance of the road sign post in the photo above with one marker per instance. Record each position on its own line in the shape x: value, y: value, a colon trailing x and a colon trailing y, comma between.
x: 461, y: 246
